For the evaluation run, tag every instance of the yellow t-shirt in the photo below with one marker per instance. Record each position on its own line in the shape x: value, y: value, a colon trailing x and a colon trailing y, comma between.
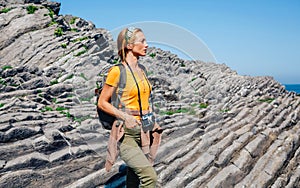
x: 130, y: 93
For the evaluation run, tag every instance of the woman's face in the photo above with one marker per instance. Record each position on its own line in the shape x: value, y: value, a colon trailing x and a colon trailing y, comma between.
x: 140, y: 44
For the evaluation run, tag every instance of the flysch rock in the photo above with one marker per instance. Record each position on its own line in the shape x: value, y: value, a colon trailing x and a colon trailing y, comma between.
x: 221, y: 129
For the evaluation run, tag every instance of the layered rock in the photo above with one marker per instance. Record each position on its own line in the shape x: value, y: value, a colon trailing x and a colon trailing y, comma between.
x: 221, y: 129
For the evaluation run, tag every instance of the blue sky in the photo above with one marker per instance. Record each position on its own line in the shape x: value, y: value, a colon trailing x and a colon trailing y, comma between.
x: 252, y: 37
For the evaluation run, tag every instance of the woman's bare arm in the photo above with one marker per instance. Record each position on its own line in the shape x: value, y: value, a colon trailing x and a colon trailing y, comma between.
x: 106, y: 106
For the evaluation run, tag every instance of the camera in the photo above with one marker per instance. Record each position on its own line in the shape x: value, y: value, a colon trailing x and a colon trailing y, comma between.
x: 148, y: 121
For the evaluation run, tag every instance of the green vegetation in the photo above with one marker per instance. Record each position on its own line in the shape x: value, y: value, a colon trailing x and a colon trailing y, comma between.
x: 70, y: 76
x: 68, y: 115
x: 1, y: 105
x: 47, y: 108
x: 61, y: 109
x: 54, y: 100
x: 52, y: 23
x: 203, y: 105
x: 58, y: 32
x: 73, y: 20
x: 98, y: 86
x: 31, y: 9
x: 81, y: 52
x: 171, y: 112
x: 7, y: 67
x: 70, y: 96
x: 224, y: 110
x: 83, y: 76
x: 80, y: 39
x: 74, y: 30
x: 5, y: 10
x: 2, y: 82
x: 152, y: 55
x: 182, y: 64
x: 150, y: 73
x: 14, y: 85
x: 116, y: 61
x: 81, y: 119
x: 86, y: 98
x: 53, y: 82
x: 63, y: 45
x: 51, y: 13
x: 193, y: 79
x: 267, y: 100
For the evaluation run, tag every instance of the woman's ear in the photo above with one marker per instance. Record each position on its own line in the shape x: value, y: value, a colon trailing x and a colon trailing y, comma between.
x: 129, y: 46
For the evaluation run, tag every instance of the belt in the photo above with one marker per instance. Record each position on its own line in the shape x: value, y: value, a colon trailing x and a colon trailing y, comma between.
x: 135, y: 112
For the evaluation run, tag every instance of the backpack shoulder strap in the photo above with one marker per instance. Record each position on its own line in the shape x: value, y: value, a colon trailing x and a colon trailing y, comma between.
x: 143, y: 68
x: 116, y: 98
x: 122, y: 79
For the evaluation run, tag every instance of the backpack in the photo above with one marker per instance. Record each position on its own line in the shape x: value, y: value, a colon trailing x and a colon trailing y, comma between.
x: 106, y: 119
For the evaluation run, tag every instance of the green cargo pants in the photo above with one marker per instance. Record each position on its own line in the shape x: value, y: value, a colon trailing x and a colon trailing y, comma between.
x: 140, y: 172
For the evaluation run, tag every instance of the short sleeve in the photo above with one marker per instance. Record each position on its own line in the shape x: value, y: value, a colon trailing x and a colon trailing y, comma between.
x: 113, y: 75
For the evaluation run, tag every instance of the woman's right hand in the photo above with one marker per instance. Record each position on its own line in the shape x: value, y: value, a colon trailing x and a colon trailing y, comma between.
x: 130, y: 121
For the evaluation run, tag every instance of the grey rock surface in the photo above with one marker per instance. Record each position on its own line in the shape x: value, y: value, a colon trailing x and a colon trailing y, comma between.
x: 221, y: 129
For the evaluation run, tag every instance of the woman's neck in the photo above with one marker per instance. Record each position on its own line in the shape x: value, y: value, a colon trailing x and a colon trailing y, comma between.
x: 132, y: 61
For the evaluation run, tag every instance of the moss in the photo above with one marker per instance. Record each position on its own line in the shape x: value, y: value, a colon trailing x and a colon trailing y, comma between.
x: 1, y: 105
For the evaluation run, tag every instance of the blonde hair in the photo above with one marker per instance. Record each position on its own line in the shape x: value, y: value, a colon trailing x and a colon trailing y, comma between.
x: 125, y: 37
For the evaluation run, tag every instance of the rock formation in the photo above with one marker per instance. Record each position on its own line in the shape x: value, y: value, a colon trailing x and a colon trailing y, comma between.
x: 221, y: 129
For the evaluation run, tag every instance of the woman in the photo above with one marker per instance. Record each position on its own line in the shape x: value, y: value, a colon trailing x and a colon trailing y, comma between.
x: 137, y: 147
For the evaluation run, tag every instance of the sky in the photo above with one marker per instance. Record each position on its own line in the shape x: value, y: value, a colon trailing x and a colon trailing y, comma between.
x: 252, y: 37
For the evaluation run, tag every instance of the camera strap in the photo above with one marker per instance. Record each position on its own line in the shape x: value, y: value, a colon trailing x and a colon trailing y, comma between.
x: 139, y: 94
